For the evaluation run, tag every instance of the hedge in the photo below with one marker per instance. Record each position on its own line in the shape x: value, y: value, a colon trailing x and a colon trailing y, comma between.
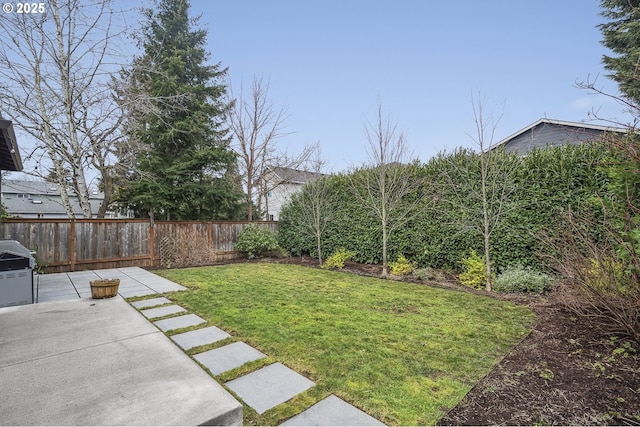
x: 546, y: 182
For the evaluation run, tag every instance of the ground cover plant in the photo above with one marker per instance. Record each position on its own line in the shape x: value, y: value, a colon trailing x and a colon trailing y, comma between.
x: 402, y: 352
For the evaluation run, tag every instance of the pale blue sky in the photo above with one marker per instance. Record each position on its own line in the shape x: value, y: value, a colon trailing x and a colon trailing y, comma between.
x: 328, y: 62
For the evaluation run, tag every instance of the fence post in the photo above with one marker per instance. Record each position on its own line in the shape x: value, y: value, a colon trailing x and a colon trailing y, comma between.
x: 152, y: 242
x: 72, y: 245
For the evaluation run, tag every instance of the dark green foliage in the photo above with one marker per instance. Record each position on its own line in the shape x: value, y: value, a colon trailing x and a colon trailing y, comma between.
x: 547, y: 183
x: 184, y: 162
x: 622, y: 36
x: 255, y: 241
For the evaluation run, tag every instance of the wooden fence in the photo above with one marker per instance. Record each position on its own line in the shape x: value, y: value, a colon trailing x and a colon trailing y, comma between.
x: 86, y: 244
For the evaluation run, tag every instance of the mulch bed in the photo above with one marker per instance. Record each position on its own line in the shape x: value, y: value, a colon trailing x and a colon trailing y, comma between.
x: 564, y: 372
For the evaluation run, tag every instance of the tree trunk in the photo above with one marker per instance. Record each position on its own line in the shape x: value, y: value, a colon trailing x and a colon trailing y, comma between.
x: 75, y: 162
x: 485, y: 219
x: 249, y: 199
x: 108, y: 191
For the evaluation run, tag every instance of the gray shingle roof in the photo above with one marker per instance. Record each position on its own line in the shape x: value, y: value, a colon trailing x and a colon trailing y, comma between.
x: 296, y: 176
x: 33, y: 198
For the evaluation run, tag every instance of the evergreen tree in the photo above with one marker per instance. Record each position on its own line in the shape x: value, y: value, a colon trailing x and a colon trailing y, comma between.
x: 184, y: 159
x: 622, y: 36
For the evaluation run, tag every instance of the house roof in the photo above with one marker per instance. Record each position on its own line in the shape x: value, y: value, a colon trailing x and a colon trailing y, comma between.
x: 9, y: 154
x: 44, y: 199
x: 296, y: 176
x: 559, y: 123
x: 39, y: 188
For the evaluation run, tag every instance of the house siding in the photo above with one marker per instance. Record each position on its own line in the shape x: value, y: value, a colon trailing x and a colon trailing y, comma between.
x: 549, y: 134
x: 278, y: 198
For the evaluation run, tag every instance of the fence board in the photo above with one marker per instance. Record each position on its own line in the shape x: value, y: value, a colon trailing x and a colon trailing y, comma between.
x: 108, y: 243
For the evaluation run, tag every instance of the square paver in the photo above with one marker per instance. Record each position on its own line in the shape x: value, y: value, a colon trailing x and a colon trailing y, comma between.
x: 269, y: 386
x: 204, y: 336
x: 153, y: 313
x: 332, y: 411
x: 136, y: 292
x: 229, y: 357
x: 179, y: 322
x: 150, y: 302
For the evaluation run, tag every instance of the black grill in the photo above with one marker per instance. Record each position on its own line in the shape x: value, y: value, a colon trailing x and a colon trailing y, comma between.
x: 16, y: 274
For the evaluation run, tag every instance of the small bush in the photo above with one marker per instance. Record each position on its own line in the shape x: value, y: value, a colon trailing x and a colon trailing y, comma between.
x: 401, y: 267
x: 338, y: 258
x: 255, y: 241
x: 520, y: 279
x: 609, y: 277
x: 428, y: 273
x: 475, y: 271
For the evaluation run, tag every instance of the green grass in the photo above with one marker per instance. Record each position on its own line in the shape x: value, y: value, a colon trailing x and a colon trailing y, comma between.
x: 404, y: 353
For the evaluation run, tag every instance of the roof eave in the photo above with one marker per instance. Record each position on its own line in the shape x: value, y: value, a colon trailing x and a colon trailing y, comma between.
x: 11, y: 160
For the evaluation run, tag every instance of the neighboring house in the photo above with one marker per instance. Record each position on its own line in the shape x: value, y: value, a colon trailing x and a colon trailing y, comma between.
x: 281, y: 184
x: 547, y: 132
x: 39, y: 199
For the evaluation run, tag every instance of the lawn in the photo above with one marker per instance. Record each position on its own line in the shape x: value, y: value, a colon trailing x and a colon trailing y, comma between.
x: 404, y: 353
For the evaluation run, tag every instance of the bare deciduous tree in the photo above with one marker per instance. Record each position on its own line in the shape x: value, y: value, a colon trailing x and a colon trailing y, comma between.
x: 257, y: 124
x: 316, y: 202
x: 55, y: 69
x: 488, y: 188
x: 382, y: 187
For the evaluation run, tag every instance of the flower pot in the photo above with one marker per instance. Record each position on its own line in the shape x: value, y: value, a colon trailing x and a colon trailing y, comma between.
x: 104, y: 288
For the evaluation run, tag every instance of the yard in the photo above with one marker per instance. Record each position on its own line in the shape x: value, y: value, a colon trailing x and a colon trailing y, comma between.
x: 404, y: 353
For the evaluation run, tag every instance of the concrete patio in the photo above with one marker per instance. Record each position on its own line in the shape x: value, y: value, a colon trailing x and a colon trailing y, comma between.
x: 99, y: 362
x: 134, y: 282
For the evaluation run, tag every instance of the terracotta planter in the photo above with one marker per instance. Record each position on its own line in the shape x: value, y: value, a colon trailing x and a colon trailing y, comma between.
x: 104, y: 288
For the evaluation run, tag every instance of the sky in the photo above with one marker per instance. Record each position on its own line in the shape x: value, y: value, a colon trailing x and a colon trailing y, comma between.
x: 330, y: 62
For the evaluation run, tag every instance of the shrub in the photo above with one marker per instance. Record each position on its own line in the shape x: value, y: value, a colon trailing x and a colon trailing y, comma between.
x: 521, y: 279
x: 255, y: 241
x: 609, y: 277
x: 475, y: 271
x: 338, y: 258
x: 599, y: 284
x: 428, y: 273
x: 401, y: 267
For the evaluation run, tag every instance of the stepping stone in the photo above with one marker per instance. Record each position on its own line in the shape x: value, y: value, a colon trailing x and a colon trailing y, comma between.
x: 230, y: 356
x: 188, y: 340
x: 332, y: 411
x: 150, y: 302
x: 179, y: 322
x: 136, y: 292
x: 153, y: 313
x: 270, y: 386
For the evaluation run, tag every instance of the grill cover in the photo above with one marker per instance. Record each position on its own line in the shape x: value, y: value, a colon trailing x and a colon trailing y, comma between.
x: 13, y: 256
x: 16, y: 274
